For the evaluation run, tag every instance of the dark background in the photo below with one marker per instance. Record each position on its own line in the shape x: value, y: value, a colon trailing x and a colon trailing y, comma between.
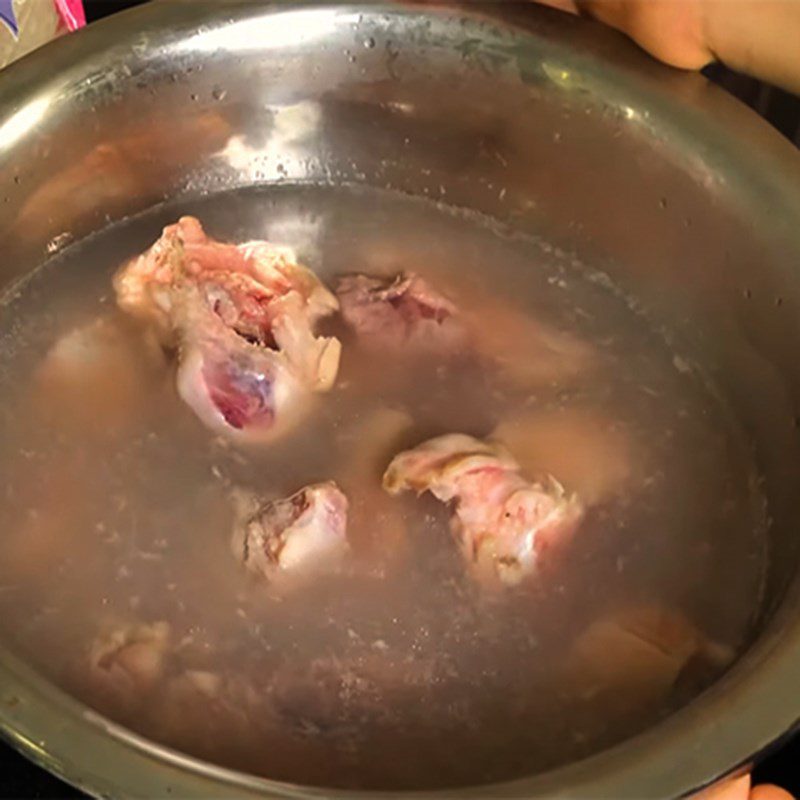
x: 20, y: 779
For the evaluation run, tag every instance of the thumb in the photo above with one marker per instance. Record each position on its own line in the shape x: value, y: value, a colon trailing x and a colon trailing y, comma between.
x: 768, y: 792
x: 730, y: 789
x: 672, y: 32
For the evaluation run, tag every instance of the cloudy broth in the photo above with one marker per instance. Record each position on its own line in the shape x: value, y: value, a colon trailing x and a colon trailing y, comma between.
x: 399, y: 671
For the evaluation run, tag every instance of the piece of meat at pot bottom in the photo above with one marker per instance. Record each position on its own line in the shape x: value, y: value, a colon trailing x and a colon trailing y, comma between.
x: 241, y: 320
x: 635, y: 657
x: 128, y: 661
x: 584, y: 449
x: 404, y: 314
x: 400, y: 312
x: 150, y: 673
x: 95, y: 378
x: 501, y: 521
x: 294, y: 536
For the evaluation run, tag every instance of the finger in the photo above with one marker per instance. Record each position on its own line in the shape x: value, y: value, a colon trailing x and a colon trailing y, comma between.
x: 768, y: 792
x: 671, y: 31
x: 730, y: 789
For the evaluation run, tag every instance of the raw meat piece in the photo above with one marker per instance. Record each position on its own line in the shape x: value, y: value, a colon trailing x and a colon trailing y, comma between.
x: 404, y: 313
x: 149, y: 673
x: 236, y: 388
x: 301, y: 534
x: 129, y: 660
x: 241, y: 318
x: 96, y: 376
x: 582, y: 449
x: 525, y: 351
x: 637, y: 655
x: 501, y: 520
x: 401, y: 311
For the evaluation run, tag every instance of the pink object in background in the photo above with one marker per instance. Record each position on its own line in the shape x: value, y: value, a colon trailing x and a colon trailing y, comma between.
x: 28, y: 24
x: 71, y: 13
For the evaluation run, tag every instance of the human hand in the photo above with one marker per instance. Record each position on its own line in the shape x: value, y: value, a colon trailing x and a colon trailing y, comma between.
x: 757, y: 37
x: 740, y: 789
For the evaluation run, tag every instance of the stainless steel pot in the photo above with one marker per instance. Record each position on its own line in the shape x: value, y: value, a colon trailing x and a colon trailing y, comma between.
x: 687, y: 201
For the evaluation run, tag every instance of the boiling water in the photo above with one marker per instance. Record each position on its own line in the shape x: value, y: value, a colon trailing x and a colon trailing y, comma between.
x: 401, y: 672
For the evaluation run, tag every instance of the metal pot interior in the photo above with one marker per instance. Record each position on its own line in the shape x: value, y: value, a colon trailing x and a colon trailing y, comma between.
x: 548, y: 125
